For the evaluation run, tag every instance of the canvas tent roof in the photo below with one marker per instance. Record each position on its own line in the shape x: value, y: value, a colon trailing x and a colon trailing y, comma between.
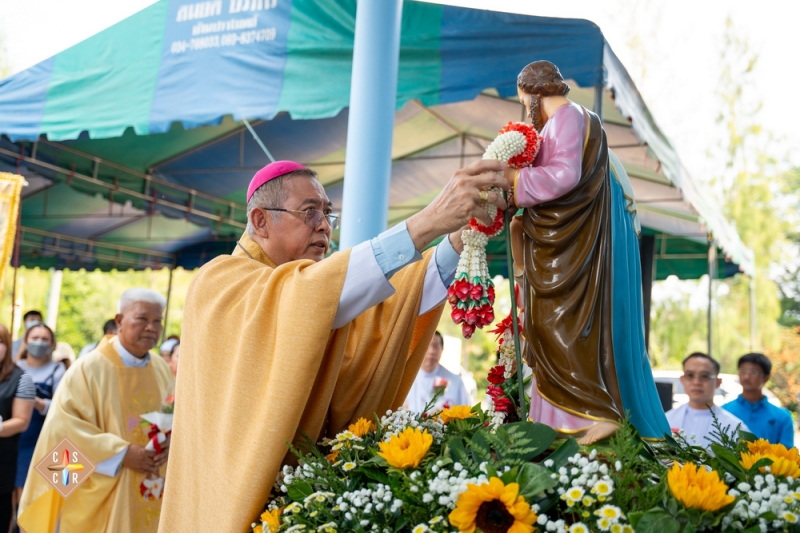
x: 138, y: 157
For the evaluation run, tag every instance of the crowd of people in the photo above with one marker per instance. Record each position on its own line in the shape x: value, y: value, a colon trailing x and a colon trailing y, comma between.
x: 30, y: 373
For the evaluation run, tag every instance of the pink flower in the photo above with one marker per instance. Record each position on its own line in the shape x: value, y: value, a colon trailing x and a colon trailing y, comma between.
x: 439, y: 382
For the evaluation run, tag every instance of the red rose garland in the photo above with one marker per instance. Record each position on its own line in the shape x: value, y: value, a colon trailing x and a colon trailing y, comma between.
x: 472, y: 292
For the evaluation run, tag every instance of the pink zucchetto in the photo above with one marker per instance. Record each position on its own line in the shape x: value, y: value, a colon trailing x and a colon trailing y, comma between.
x: 272, y: 171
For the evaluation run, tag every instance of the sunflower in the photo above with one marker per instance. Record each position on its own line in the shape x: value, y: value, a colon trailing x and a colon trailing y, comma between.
x: 698, y: 488
x: 459, y: 412
x: 493, y: 507
x: 271, y: 520
x: 407, y: 448
x: 361, y: 427
x: 785, y: 462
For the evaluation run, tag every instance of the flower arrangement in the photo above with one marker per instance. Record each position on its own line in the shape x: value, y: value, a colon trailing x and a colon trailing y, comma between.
x: 471, y: 294
x: 158, y: 426
x: 455, y: 471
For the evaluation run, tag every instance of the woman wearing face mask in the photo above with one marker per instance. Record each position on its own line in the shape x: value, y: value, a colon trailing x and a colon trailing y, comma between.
x: 16, y: 403
x: 36, y: 359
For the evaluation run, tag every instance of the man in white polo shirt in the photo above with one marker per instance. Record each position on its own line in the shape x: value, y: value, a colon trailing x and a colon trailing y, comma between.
x: 700, y: 381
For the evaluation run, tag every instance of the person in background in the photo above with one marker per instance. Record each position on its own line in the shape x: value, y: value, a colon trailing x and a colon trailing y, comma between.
x: 109, y: 330
x: 36, y: 359
x: 700, y: 380
x: 98, y: 407
x: 17, y: 394
x: 174, y: 355
x: 166, y: 348
x: 29, y: 319
x: 766, y: 421
x: 432, y: 377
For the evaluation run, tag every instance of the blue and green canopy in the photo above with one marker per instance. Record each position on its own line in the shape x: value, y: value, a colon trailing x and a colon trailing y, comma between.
x: 137, y: 154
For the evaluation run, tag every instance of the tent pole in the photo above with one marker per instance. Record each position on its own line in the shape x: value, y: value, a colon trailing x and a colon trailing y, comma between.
x: 166, y: 311
x: 373, y: 93
x: 598, y: 102
x: 16, y: 268
x: 753, y: 317
x: 712, y: 260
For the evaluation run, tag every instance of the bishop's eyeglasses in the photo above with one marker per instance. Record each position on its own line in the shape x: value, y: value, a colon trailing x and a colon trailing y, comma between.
x: 312, y: 217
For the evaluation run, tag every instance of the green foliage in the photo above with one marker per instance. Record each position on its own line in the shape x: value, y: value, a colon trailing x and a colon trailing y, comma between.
x: 88, y: 299
x: 676, y: 330
x: 635, y: 481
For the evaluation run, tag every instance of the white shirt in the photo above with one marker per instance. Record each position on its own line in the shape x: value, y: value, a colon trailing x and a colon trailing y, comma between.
x: 425, y: 384
x: 698, y: 423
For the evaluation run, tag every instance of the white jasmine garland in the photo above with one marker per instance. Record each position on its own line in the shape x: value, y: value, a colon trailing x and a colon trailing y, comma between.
x: 506, y: 145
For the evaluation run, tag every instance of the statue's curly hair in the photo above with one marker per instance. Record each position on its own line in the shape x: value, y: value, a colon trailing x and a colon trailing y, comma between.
x: 539, y: 79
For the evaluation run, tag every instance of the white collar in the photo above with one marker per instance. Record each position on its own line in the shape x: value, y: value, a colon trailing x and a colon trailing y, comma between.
x: 128, y: 359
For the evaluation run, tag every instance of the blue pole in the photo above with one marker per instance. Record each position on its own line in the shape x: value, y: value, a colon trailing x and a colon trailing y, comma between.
x: 368, y: 163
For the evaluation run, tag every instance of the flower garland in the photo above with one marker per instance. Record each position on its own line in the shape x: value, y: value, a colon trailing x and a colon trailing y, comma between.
x: 472, y: 292
x: 502, y: 403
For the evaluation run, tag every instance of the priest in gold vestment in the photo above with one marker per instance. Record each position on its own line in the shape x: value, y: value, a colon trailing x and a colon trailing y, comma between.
x: 97, y: 407
x: 280, y: 341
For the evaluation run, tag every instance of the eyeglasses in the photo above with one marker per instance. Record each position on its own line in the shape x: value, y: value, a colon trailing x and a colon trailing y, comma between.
x: 691, y: 376
x: 755, y: 373
x: 312, y: 216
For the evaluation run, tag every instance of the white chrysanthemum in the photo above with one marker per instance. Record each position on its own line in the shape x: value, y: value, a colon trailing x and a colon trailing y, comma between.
x: 578, y: 527
x: 505, y: 146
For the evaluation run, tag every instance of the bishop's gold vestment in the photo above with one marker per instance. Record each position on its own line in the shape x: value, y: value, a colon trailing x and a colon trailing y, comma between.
x: 260, y: 365
x: 97, y: 406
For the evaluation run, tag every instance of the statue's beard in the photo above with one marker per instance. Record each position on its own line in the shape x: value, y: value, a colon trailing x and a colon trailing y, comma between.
x: 536, y: 113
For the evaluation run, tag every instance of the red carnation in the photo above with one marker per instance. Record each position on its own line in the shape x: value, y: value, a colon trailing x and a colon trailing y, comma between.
x: 501, y: 403
x: 497, y: 375
x: 494, y: 391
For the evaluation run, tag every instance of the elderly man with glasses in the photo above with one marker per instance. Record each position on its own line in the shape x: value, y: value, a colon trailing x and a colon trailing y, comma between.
x: 700, y: 380
x: 281, y: 342
x: 766, y: 421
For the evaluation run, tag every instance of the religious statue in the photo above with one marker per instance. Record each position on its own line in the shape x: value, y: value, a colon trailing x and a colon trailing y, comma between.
x: 576, y: 248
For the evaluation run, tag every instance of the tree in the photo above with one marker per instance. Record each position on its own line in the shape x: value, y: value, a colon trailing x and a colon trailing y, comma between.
x: 749, y: 186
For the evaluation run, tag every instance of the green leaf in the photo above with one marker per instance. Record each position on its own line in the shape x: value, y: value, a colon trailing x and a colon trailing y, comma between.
x: 672, y: 506
x: 375, y: 474
x: 567, y: 449
x: 534, y: 479
x: 456, y: 450
x: 655, y: 521
x: 479, y: 447
x: 526, y: 440
x: 728, y: 460
x: 299, y: 490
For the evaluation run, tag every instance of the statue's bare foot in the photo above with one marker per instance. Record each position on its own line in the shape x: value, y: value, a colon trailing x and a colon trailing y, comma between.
x: 597, y: 432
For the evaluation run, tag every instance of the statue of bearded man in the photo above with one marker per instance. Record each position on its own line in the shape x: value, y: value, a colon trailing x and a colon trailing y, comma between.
x: 576, y: 244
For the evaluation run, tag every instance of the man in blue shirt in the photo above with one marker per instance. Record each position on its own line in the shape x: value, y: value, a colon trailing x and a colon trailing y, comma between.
x: 765, y: 420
